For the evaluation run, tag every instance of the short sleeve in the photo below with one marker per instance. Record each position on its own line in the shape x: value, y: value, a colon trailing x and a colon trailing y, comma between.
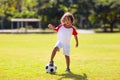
x: 58, y: 27
x: 74, y: 31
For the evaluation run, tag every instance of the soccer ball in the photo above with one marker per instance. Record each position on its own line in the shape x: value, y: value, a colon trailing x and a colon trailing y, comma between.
x: 51, y: 69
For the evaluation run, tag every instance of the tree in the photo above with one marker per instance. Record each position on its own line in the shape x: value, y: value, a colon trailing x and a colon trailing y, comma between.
x: 88, y: 13
x: 6, y: 10
x: 16, y: 9
x: 107, y: 11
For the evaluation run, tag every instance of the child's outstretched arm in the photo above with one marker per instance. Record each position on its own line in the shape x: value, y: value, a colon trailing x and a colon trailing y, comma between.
x: 54, y: 28
x: 76, y: 39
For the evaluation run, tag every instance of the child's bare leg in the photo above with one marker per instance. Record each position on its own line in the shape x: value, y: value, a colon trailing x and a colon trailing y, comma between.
x: 53, y: 55
x: 67, y: 61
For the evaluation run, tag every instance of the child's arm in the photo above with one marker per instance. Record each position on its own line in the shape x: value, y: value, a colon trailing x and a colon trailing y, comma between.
x: 76, y: 39
x: 53, y: 27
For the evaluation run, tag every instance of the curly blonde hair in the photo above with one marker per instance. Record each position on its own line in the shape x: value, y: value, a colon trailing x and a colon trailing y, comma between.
x: 67, y: 14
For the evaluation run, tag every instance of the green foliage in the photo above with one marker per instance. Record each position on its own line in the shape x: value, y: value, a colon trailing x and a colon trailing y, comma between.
x: 50, y: 11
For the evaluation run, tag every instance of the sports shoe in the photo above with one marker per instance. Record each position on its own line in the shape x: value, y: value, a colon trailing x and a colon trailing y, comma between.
x: 67, y: 70
x: 51, y: 63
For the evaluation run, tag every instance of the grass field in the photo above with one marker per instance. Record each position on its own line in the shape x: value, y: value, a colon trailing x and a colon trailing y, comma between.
x: 24, y: 57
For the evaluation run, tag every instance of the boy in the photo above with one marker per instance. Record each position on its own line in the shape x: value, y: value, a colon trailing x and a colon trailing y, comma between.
x: 65, y: 31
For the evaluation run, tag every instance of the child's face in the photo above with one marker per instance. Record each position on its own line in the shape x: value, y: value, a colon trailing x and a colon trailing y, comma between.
x: 67, y: 21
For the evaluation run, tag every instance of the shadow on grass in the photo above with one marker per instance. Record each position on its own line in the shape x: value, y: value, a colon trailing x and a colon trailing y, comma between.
x: 73, y: 76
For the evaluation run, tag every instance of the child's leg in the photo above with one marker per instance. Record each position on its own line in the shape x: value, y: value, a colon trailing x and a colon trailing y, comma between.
x: 67, y: 61
x: 53, y: 54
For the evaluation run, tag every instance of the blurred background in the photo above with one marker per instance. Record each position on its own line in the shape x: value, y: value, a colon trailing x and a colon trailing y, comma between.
x: 103, y: 15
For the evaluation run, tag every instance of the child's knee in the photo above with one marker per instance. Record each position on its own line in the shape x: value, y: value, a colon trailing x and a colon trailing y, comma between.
x: 56, y: 49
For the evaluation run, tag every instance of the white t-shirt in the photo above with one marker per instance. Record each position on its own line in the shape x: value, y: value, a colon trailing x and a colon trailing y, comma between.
x: 65, y: 34
x: 64, y: 38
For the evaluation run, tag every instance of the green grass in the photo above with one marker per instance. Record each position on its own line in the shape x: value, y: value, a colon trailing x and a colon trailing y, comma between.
x: 24, y: 57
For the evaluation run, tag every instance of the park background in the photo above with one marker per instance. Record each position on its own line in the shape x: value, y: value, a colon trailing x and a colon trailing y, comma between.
x: 24, y: 55
x: 89, y: 14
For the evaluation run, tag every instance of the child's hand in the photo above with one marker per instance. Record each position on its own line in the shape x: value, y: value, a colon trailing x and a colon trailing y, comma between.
x: 76, y: 45
x: 50, y: 26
